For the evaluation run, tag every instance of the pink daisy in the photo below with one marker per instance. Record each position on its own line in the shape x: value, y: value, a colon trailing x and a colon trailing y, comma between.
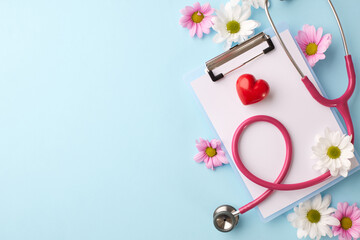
x: 349, y: 217
x: 313, y: 44
x: 197, y: 19
x: 210, y: 153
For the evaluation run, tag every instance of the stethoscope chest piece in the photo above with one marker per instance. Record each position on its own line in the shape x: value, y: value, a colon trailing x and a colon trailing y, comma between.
x: 225, y: 219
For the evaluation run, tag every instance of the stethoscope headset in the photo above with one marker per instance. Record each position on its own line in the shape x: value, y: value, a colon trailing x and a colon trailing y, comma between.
x: 226, y: 217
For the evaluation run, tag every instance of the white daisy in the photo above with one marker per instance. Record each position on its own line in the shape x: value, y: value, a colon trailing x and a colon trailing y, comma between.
x: 231, y: 23
x: 333, y: 151
x: 312, y: 218
x: 256, y: 3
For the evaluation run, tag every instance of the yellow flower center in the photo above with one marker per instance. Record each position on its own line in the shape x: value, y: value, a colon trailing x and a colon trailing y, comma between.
x: 346, y: 223
x: 233, y: 26
x: 311, y: 49
x: 313, y: 216
x: 210, y: 151
x: 197, y: 17
x: 333, y: 152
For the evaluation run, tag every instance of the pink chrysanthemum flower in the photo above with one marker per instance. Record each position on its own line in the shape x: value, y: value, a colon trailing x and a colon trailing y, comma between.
x: 210, y: 153
x: 349, y: 217
x: 313, y: 44
x: 197, y: 19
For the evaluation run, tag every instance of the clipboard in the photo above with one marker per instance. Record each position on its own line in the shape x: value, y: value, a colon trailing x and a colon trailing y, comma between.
x: 262, y: 148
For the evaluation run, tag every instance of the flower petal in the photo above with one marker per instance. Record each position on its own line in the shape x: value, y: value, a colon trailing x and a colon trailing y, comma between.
x: 246, y: 13
x: 228, y: 45
x: 223, y: 159
x: 356, y: 214
x: 324, y: 43
x: 197, y: 6
x: 228, y: 11
x: 313, y: 231
x: 200, y: 157
x: 301, y: 233
x: 349, y: 211
x: 303, y: 38
x: 316, y: 202
x: 188, y: 10
x: 209, y: 163
x: 184, y: 19
x: 216, y: 161
x: 291, y: 217
x: 344, y: 142
x: 310, y: 32
x: 215, y: 143
x: 335, y: 138
x: 355, y: 233
x: 329, y: 220
x: 206, y: 8
x: 328, y: 231
x: 199, y: 31
x: 312, y: 60
x: 201, y: 145
x: 346, y: 163
x: 218, y: 39
x: 236, y: 13
x: 234, y: 2
x: 320, y: 56
x: 221, y: 14
x: 206, y: 30
x: 249, y: 25
x: 344, y: 173
x: 326, y: 201
x: 319, y: 34
x: 343, y: 206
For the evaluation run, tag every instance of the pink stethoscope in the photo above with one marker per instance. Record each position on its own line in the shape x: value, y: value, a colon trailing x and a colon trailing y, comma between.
x: 226, y: 217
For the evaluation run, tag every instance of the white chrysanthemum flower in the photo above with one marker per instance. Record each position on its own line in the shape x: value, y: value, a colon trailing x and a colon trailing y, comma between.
x: 256, y: 3
x: 334, y: 152
x: 312, y: 218
x: 232, y: 25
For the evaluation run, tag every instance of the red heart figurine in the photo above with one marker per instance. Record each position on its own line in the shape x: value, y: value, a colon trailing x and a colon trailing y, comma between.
x: 251, y: 90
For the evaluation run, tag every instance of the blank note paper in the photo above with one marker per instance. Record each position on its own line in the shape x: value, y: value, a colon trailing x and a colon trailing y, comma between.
x: 262, y: 147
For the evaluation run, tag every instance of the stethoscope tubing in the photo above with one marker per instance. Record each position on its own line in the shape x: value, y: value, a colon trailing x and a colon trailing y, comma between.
x: 341, y: 104
x: 277, y: 184
x: 225, y: 216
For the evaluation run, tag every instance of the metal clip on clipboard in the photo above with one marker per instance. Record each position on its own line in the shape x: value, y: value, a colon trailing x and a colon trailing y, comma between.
x: 236, y: 51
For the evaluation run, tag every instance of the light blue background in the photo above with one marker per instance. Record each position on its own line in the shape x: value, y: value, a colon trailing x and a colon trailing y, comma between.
x: 98, y: 127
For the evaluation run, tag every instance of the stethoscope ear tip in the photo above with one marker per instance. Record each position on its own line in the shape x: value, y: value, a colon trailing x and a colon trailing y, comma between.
x: 224, y: 218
